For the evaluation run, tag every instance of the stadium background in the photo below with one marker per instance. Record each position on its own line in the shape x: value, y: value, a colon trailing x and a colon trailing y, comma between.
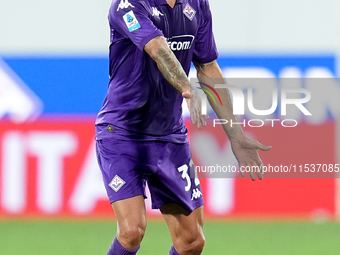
x: 53, y: 78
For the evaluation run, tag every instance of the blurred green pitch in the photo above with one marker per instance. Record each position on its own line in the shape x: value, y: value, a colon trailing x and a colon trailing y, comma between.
x: 94, y: 237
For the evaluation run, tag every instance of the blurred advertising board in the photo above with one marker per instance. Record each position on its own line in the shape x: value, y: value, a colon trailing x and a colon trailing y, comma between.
x: 47, y: 157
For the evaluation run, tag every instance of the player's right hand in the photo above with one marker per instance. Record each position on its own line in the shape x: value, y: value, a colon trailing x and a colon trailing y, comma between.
x: 195, y: 108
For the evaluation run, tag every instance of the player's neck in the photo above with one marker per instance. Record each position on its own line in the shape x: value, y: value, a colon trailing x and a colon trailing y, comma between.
x: 171, y: 3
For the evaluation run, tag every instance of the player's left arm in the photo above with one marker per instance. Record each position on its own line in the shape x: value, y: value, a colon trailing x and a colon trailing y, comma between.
x: 244, y: 148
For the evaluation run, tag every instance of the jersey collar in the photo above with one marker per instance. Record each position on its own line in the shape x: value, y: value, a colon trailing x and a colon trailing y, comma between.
x: 164, y: 2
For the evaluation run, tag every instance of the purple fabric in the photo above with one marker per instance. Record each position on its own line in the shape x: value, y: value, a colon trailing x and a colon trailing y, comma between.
x: 127, y: 165
x: 117, y: 249
x: 140, y: 102
x: 173, y: 251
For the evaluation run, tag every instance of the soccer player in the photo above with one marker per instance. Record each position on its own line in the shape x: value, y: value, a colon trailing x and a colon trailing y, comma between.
x: 140, y: 133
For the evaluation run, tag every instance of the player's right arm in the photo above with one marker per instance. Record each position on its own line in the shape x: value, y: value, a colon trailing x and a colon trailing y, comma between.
x: 131, y: 19
x: 173, y: 72
x: 168, y: 64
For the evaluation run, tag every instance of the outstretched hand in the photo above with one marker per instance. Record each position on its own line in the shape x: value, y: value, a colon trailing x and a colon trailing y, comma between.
x: 244, y: 149
x: 195, y: 106
x: 246, y: 153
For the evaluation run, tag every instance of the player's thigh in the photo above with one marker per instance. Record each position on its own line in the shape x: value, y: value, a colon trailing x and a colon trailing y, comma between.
x: 119, y: 162
x: 130, y: 213
x: 175, y: 181
x: 185, y: 227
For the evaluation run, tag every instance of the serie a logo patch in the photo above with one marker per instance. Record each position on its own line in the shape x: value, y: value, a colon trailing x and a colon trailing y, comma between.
x: 131, y: 21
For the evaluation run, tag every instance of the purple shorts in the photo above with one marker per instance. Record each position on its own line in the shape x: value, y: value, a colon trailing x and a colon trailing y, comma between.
x: 127, y: 165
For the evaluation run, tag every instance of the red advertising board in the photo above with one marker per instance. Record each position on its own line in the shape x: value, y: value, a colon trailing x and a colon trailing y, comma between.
x: 48, y: 167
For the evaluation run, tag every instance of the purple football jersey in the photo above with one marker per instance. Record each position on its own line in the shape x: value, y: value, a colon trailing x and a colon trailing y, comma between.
x: 140, y: 104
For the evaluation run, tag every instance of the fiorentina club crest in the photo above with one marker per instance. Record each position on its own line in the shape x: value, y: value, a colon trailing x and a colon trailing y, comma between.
x: 116, y: 183
x: 189, y: 12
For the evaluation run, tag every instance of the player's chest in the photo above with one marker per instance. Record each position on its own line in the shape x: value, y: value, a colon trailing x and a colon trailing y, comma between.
x: 178, y: 21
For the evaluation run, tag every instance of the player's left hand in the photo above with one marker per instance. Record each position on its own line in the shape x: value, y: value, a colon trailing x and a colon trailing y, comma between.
x: 195, y: 107
x: 246, y: 153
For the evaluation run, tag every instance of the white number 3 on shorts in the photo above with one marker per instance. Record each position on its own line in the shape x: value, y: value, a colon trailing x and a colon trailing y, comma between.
x: 184, y: 170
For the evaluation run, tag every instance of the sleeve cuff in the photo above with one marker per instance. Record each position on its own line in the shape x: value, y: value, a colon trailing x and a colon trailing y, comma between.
x: 207, y: 59
x: 149, y: 38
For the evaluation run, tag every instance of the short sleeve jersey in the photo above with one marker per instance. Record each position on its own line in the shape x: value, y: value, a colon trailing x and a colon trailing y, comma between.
x: 140, y: 104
